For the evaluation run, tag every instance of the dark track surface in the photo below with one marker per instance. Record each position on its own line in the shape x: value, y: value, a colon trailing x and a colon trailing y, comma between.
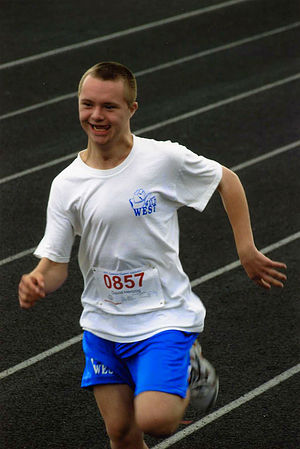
x: 251, y: 335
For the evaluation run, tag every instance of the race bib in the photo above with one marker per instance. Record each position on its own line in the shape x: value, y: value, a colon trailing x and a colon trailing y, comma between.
x: 129, y: 292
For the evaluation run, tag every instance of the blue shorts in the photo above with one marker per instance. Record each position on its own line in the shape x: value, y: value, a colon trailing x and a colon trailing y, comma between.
x: 159, y: 363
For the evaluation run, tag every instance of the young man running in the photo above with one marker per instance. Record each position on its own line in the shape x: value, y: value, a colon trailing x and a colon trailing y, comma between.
x: 140, y: 318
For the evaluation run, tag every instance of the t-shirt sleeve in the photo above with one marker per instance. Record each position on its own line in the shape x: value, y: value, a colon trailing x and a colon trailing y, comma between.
x: 197, y: 180
x: 59, y: 235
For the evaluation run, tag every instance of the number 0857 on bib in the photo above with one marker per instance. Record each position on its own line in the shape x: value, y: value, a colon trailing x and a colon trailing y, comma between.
x: 128, y: 292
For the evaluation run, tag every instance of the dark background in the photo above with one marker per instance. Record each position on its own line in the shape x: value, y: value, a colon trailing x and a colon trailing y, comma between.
x: 251, y: 335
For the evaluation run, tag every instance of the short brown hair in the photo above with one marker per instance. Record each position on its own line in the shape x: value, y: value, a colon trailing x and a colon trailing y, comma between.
x: 113, y: 71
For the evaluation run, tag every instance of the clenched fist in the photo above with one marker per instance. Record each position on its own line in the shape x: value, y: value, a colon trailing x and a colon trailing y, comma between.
x: 31, y: 289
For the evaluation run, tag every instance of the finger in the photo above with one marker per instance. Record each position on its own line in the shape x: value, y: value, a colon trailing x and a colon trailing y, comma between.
x: 26, y: 293
x: 27, y: 296
x: 276, y: 274
x: 40, y: 292
x: 28, y: 300
x: 26, y: 303
x: 270, y: 280
x: 32, y: 286
x: 40, y: 285
x: 267, y: 282
x: 39, y: 280
x: 277, y: 264
x: 23, y: 292
x: 262, y: 283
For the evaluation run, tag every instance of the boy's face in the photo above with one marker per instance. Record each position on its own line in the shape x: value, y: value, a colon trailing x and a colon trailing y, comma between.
x: 103, y: 111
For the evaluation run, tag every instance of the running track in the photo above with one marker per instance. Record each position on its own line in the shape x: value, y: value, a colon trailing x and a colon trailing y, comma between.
x: 222, y: 78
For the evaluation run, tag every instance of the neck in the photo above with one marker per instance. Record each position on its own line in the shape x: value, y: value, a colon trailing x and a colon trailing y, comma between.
x: 105, y: 156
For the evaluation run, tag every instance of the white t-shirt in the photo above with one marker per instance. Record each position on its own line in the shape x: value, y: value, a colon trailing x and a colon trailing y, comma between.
x: 134, y: 284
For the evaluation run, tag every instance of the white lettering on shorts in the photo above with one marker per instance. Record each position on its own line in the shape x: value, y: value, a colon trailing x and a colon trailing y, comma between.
x: 99, y: 368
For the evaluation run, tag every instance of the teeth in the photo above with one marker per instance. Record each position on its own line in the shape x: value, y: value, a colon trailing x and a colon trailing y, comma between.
x: 100, y: 127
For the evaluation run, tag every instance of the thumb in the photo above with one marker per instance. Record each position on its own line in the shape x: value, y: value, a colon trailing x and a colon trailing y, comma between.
x: 39, y: 281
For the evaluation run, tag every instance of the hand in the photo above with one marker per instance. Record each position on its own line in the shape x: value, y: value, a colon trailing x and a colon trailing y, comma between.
x: 31, y: 289
x: 263, y: 270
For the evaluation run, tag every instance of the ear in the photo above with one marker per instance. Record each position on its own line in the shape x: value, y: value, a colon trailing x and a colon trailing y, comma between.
x: 133, y: 108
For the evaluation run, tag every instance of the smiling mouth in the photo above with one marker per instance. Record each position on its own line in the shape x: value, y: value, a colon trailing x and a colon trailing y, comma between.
x: 99, y: 127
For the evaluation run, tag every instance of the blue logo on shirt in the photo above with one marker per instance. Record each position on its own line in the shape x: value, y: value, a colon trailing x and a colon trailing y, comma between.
x: 142, y: 203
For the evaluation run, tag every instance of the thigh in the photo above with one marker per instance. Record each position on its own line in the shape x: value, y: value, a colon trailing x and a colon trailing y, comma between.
x: 159, y: 413
x: 160, y: 371
x: 116, y: 406
x: 163, y: 402
x: 115, y: 403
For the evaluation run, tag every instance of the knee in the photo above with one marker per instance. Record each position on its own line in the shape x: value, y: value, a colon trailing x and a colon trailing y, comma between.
x: 121, y: 433
x: 159, y: 414
x: 157, y: 425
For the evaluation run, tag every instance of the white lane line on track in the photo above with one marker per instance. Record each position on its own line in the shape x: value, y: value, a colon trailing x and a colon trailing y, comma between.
x: 233, y: 265
x: 265, y: 156
x: 228, y: 408
x: 38, y: 105
x: 41, y: 356
x: 159, y: 67
x: 194, y: 283
x: 17, y: 256
x: 236, y: 168
x: 29, y: 171
x: 220, y: 103
x: 161, y: 124
x: 119, y: 34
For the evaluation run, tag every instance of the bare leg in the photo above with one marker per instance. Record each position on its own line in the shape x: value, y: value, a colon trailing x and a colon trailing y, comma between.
x: 158, y: 413
x: 116, y: 406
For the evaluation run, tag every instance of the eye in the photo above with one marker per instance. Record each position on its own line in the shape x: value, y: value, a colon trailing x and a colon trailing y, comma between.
x: 86, y: 104
x: 109, y: 107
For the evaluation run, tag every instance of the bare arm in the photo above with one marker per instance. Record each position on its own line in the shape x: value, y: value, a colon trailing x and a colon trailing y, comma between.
x: 47, y: 277
x: 259, y: 268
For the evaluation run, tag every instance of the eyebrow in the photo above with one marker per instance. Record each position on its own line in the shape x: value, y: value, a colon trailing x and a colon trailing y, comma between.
x: 104, y: 103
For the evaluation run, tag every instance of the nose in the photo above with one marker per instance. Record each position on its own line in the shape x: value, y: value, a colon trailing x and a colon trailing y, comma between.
x: 97, y: 113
